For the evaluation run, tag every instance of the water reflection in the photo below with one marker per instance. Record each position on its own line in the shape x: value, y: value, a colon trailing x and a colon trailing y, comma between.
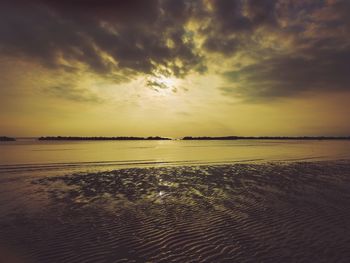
x: 32, y: 155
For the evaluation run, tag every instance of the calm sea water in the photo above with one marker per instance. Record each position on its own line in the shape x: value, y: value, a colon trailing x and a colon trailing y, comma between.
x: 33, y: 155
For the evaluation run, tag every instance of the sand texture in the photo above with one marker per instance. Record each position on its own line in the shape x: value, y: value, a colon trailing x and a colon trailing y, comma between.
x: 296, y: 212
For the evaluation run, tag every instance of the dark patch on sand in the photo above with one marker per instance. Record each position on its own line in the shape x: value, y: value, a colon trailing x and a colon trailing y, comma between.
x: 297, y: 212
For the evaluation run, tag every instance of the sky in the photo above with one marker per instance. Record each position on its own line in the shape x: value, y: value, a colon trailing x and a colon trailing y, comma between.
x: 175, y: 67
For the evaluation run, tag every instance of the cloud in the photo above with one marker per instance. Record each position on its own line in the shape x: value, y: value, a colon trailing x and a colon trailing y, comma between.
x: 315, y: 60
x: 288, y: 76
x: 104, y: 35
x: 291, y: 45
x: 72, y: 93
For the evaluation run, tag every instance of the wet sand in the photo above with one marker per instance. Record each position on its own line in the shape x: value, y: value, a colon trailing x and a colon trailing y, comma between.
x: 275, y: 212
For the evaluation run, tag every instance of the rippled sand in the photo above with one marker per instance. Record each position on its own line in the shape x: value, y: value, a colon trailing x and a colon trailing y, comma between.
x: 296, y: 212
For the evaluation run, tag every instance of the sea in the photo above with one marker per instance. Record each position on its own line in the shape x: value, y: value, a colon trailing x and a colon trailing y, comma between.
x: 31, y: 155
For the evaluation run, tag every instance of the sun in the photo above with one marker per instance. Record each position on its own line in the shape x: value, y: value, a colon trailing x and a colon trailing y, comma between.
x: 169, y: 82
x: 163, y: 84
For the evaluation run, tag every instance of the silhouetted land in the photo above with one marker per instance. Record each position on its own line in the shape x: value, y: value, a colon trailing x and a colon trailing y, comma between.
x: 130, y: 138
x: 6, y: 139
x: 124, y: 138
x: 266, y: 138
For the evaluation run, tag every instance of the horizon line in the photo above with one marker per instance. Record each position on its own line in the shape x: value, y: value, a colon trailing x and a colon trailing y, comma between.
x: 230, y: 137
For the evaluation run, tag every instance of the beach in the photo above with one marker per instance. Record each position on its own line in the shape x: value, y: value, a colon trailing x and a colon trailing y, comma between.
x: 168, y: 131
x: 245, y: 212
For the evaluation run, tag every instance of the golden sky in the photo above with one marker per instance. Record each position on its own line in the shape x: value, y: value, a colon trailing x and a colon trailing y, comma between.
x: 174, y: 68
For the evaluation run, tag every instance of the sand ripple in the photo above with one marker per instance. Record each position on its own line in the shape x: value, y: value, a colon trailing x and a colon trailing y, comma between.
x: 298, y: 212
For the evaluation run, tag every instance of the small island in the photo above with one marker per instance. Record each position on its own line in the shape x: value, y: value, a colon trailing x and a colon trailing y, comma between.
x: 122, y: 138
x: 6, y: 139
x: 266, y: 138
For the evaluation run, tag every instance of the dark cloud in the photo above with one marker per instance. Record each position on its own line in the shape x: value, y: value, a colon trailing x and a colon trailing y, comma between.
x: 287, y: 76
x: 262, y: 12
x: 156, y: 84
x: 229, y: 17
x: 111, y: 10
x: 134, y: 35
x: 234, y: 20
x: 317, y: 59
x: 126, y: 38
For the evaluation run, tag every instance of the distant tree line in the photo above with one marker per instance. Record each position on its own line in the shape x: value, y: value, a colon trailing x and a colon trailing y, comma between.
x: 76, y: 138
x: 6, y: 139
x: 267, y: 138
x: 186, y: 138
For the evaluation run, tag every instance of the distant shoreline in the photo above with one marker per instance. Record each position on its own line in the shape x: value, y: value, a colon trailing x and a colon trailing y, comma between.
x: 6, y: 139
x: 124, y: 138
x: 187, y: 138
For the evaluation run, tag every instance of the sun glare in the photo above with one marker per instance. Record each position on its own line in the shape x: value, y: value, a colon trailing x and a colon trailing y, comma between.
x: 163, y: 84
x: 169, y: 82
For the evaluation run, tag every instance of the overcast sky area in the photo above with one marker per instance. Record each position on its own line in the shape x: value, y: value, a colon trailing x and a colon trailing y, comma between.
x: 175, y: 67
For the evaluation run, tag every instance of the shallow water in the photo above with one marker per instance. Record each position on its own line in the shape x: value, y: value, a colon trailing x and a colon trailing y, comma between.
x: 32, y: 155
